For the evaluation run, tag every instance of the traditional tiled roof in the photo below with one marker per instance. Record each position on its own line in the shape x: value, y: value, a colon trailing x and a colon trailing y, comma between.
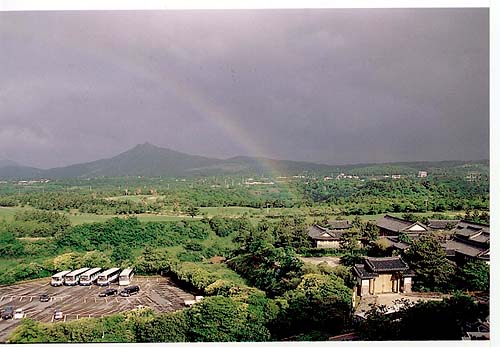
x: 441, y: 224
x: 454, y: 246
x: 485, y: 255
x: 384, y: 264
x: 481, y: 238
x: 476, y: 234
x: 317, y: 232
x: 374, y: 265
x: 397, y: 224
x: 363, y: 273
x: 393, y: 223
x: 339, y: 224
x: 395, y: 243
x: 468, y: 228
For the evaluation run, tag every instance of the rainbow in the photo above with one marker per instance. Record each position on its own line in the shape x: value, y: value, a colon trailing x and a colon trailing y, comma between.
x: 202, y: 107
x: 225, y: 122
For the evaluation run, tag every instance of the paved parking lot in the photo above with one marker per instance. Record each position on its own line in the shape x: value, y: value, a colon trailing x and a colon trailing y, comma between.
x: 78, y: 302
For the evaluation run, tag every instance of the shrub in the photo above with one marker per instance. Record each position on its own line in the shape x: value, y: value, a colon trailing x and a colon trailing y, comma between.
x: 10, y: 247
x: 167, y: 327
x: 192, y: 245
x: 190, y: 256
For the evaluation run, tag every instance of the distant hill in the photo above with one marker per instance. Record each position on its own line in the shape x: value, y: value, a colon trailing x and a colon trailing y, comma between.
x: 152, y: 161
x: 21, y: 172
x: 11, y: 169
x: 7, y: 162
x: 142, y: 160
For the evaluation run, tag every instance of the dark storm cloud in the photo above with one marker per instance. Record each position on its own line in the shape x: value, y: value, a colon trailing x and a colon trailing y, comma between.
x: 331, y: 86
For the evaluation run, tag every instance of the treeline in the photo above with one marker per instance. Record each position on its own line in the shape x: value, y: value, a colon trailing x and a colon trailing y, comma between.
x: 83, y: 202
x: 350, y: 197
x: 402, y: 195
x: 206, y: 196
x: 132, y: 232
x: 36, y: 223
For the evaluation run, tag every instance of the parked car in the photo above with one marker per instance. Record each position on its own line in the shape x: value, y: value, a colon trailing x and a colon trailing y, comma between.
x: 58, y: 314
x: 108, y: 292
x: 8, y: 312
x: 44, y: 298
x: 130, y: 291
x: 189, y: 303
x: 19, y: 313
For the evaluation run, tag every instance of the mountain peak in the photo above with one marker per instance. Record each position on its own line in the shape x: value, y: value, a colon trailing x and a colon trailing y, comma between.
x: 146, y: 145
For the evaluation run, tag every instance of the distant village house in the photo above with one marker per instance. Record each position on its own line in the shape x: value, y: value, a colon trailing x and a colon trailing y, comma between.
x: 322, y: 237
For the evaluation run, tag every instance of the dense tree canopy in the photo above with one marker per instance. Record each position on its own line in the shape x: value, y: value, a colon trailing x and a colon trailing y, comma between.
x: 320, y: 303
x: 427, y: 258
x: 474, y: 275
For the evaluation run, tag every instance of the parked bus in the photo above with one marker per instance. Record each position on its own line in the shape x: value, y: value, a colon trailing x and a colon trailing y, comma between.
x: 108, y: 276
x: 89, y: 277
x: 73, y: 277
x: 125, y: 277
x: 58, y: 278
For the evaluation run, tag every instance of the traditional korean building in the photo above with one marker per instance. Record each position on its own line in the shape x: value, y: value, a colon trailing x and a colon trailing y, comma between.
x: 441, y: 224
x: 323, y: 237
x: 470, y: 241
x: 328, y: 237
x: 339, y: 225
x: 383, y: 275
x: 393, y: 226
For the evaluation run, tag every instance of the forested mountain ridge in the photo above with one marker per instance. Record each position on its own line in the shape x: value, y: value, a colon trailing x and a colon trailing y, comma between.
x: 152, y: 161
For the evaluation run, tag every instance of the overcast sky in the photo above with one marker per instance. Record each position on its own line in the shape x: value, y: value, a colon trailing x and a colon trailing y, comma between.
x: 333, y: 86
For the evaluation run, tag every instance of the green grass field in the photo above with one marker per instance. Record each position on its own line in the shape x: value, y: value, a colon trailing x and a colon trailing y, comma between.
x: 7, y: 264
x: 8, y: 213
x: 255, y: 214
